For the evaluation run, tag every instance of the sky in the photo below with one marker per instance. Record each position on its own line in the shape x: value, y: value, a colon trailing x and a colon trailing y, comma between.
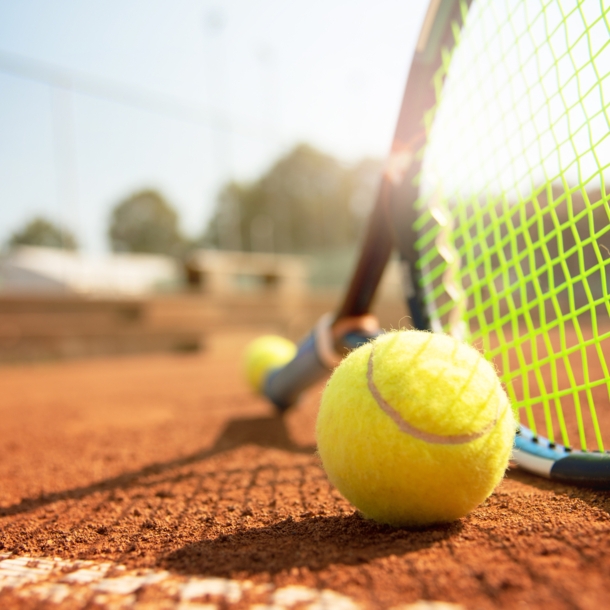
x: 102, y: 98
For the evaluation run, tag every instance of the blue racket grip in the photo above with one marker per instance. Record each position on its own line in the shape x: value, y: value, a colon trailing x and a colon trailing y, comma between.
x: 284, y: 385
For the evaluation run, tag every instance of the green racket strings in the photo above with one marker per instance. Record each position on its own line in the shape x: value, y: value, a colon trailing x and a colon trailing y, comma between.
x: 514, y: 213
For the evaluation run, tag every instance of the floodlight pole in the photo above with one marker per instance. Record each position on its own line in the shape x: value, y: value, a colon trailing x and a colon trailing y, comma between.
x: 229, y: 233
x: 62, y: 107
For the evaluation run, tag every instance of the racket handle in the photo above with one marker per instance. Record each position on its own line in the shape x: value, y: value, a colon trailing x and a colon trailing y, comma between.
x: 316, y: 356
x: 284, y: 385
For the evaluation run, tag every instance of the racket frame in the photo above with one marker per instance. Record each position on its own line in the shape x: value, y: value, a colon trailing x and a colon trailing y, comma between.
x: 390, y: 226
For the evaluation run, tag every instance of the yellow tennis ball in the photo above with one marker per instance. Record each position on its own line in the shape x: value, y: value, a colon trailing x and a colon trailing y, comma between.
x: 415, y: 428
x: 263, y: 354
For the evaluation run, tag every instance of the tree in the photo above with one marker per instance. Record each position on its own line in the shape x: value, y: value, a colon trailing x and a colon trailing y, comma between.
x: 44, y: 233
x: 307, y: 202
x: 146, y: 222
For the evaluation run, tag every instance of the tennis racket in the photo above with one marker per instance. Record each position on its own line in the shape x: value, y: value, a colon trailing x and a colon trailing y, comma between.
x: 495, y: 196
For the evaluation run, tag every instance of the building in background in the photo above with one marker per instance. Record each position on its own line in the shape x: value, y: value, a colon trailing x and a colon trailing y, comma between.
x: 223, y: 271
x: 35, y: 270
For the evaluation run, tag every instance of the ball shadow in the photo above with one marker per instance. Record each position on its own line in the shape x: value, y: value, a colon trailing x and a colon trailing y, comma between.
x: 312, y: 543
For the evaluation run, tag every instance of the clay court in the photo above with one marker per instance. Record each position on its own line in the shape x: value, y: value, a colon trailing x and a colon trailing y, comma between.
x: 159, y: 481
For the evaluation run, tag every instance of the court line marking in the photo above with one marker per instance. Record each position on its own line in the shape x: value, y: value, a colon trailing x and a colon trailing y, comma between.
x: 108, y: 585
x: 52, y: 579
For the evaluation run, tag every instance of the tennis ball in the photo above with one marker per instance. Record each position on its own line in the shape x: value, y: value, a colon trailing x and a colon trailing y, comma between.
x: 263, y: 354
x: 415, y: 428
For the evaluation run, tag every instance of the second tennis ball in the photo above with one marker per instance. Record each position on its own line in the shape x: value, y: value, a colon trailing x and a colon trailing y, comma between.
x: 264, y: 354
x: 415, y: 428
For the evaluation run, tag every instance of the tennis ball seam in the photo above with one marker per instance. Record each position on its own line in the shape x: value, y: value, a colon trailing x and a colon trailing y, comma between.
x: 407, y: 428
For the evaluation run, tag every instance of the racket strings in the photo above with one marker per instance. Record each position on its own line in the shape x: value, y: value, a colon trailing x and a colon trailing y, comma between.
x: 515, y: 165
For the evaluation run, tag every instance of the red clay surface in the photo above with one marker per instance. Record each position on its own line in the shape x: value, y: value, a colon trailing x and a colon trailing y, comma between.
x: 167, y: 461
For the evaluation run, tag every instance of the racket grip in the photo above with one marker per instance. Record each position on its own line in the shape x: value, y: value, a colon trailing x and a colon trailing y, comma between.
x: 284, y: 385
x: 316, y: 356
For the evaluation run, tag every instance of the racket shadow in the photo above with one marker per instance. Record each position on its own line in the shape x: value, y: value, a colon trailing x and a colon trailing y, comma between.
x: 270, y: 432
x: 313, y: 543
x: 262, y: 431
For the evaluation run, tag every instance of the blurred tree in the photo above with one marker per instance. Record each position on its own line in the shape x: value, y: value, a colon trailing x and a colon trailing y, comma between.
x: 44, y: 233
x: 146, y: 222
x: 307, y: 202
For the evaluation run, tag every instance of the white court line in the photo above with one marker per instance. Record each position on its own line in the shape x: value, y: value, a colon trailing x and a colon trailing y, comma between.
x: 57, y: 580
x: 108, y: 585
